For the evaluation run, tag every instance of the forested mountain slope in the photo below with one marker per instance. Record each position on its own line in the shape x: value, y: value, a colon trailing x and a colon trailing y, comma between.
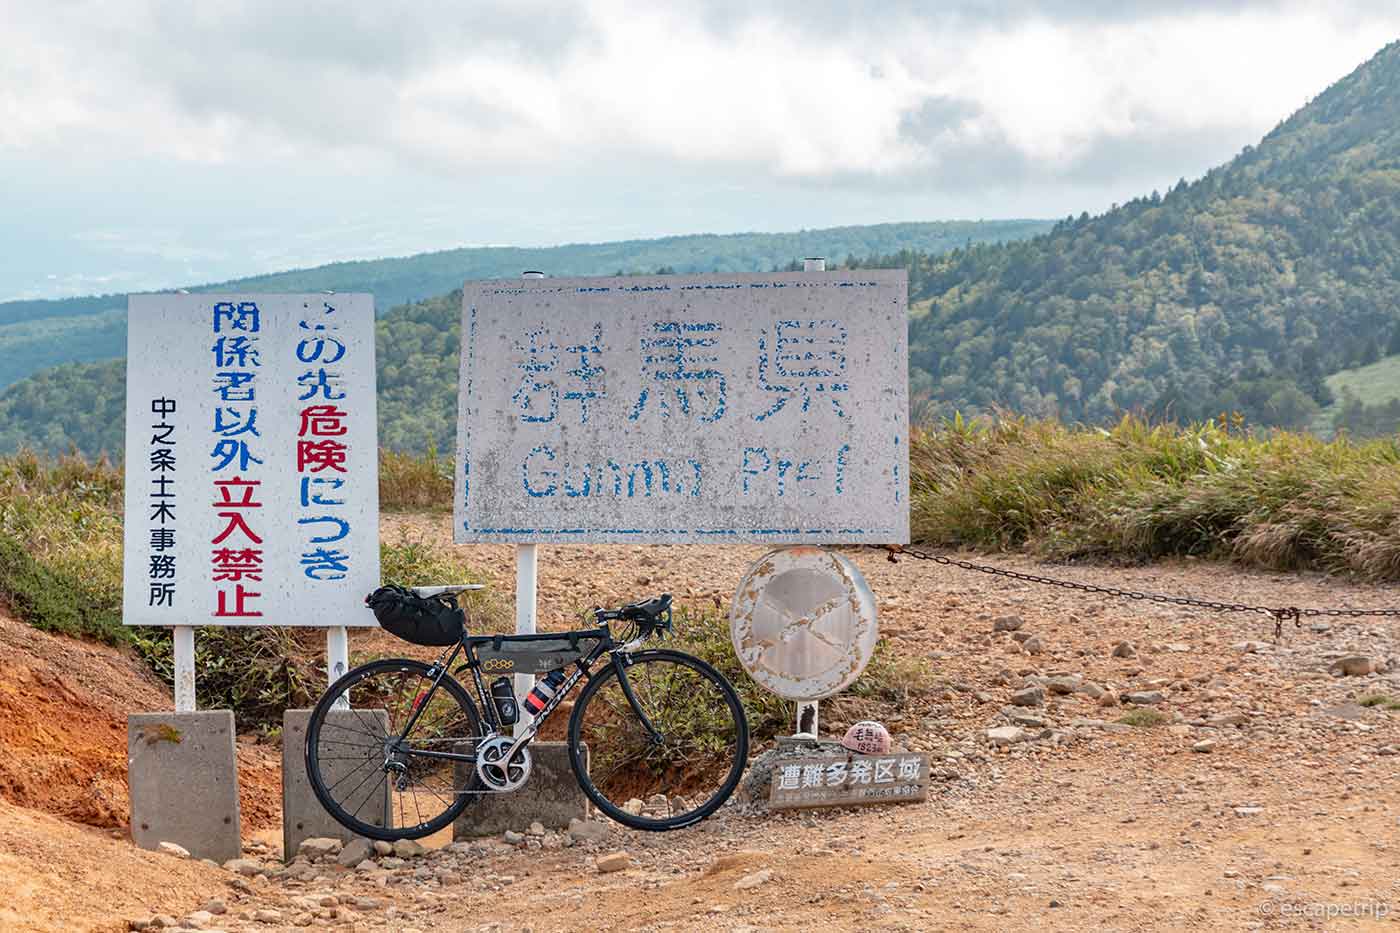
x: 1240, y: 291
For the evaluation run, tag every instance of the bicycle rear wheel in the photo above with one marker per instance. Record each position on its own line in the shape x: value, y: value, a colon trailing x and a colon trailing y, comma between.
x: 681, y: 769
x: 375, y: 779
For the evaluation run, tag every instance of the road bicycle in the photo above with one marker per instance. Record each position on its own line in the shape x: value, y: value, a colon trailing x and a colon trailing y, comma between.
x: 398, y: 749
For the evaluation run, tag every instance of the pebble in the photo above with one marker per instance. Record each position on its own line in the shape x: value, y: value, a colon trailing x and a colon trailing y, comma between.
x: 613, y: 861
x: 1124, y: 649
x: 356, y: 852
x: 1033, y: 645
x: 749, y: 882
x: 1356, y: 665
x: 216, y: 907
x: 513, y: 838
x: 383, y: 848
x: 536, y: 829
x: 1006, y: 735
x: 408, y: 848
x: 170, y: 848
x: 1065, y: 685
x: 588, y: 830
x: 199, y: 919
x: 1204, y: 746
x: 267, y: 915
x: 1143, y: 697
x: 319, y: 847
x: 1031, y: 696
x: 246, y: 867
x: 1008, y: 624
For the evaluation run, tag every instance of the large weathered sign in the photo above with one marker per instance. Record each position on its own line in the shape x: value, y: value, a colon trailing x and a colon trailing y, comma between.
x: 252, y: 492
x: 685, y: 409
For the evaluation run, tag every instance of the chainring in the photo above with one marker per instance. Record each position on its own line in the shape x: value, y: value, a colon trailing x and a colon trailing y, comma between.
x: 498, y: 775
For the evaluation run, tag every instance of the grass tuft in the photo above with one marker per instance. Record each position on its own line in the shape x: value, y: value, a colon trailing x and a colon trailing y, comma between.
x: 1143, y: 718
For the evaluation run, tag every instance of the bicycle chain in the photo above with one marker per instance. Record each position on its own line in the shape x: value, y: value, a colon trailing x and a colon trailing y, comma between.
x: 1278, y: 613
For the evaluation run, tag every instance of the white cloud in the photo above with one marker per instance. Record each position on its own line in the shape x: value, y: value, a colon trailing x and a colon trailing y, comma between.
x: 179, y: 130
x: 470, y: 88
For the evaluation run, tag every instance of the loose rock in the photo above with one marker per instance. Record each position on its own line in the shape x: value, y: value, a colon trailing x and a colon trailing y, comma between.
x: 353, y: 854
x: 588, y: 830
x: 1356, y: 665
x: 1031, y: 696
x: 1006, y: 735
x: 749, y: 882
x: 613, y: 861
x: 170, y: 848
x: 319, y: 847
x: 1143, y: 697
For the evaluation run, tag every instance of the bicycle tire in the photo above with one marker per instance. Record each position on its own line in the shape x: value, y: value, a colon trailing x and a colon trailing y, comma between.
x: 641, y: 821
x: 314, y: 771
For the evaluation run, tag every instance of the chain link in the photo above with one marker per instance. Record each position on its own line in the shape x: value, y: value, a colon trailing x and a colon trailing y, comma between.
x: 1278, y: 613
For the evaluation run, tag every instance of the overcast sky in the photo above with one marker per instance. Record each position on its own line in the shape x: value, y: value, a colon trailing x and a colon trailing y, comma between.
x: 153, y: 144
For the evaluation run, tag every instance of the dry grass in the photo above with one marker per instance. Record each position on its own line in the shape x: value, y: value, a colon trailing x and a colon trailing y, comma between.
x: 1135, y: 492
x: 409, y: 483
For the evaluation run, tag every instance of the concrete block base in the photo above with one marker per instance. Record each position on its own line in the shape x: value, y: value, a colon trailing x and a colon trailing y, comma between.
x: 303, y: 817
x: 183, y: 780
x: 551, y: 796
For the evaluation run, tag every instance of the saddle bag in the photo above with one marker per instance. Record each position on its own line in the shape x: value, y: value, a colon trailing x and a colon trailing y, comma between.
x: 432, y: 621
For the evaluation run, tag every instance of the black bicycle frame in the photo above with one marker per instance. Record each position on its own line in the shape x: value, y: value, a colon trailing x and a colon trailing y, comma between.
x: 583, y: 665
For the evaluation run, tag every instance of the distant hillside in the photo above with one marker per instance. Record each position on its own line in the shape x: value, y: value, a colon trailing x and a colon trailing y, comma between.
x: 1368, y: 399
x: 1241, y: 291
x: 38, y: 334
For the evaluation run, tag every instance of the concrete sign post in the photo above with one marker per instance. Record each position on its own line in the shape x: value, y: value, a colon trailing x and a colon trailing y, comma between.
x: 685, y: 409
x: 252, y: 498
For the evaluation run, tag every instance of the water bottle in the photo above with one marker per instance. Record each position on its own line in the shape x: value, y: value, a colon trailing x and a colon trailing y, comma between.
x: 544, y: 691
x: 503, y: 693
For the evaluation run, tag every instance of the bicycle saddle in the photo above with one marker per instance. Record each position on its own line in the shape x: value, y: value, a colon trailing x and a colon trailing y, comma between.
x: 451, y: 589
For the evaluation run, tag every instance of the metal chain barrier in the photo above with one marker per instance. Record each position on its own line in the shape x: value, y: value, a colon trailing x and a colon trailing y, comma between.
x: 1279, y: 614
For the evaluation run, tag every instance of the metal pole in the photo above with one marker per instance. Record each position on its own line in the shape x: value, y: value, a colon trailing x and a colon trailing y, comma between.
x: 807, y: 719
x: 338, y: 659
x: 526, y: 570
x: 184, y: 669
x: 807, y: 712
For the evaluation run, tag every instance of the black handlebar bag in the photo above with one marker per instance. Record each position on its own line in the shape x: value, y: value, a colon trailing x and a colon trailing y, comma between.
x: 432, y: 621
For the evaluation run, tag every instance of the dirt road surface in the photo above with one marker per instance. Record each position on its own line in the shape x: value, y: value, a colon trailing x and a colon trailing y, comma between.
x: 1263, y: 796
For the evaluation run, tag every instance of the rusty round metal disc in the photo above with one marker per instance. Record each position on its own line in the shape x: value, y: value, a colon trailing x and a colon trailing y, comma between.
x: 803, y: 622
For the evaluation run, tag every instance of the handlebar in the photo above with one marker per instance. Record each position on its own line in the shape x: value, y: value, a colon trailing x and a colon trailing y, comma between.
x: 649, y: 615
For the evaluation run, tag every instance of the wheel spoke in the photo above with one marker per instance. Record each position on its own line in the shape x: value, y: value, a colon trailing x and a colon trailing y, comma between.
x: 362, y: 763
x: 695, y: 766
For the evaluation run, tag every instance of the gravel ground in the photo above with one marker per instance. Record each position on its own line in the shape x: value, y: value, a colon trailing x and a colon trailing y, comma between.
x: 1256, y: 788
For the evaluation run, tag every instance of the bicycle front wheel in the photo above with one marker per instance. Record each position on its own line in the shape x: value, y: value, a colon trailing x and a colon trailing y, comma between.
x: 374, y: 750
x: 668, y: 755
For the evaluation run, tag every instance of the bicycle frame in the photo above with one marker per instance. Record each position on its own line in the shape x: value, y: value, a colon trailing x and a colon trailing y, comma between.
x: 583, y: 668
